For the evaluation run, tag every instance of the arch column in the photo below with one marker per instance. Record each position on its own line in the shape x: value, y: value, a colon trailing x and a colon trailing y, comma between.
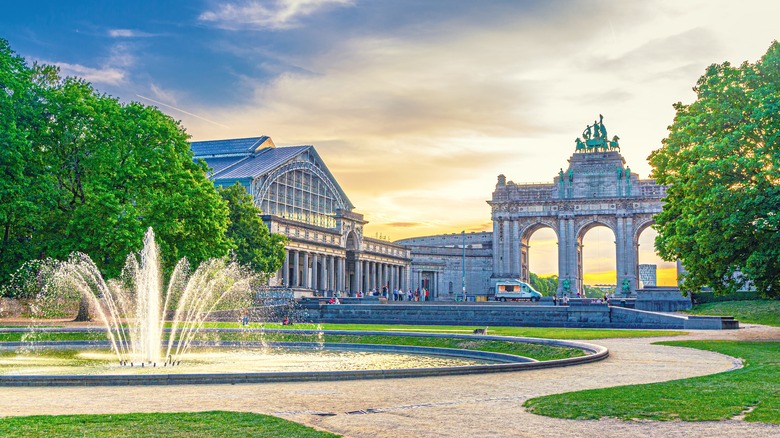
x: 627, y: 254
x: 525, y: 274
x: 496, y: 249
x: 506, y: 246
x: 568, y: 272
x: 516, y: 271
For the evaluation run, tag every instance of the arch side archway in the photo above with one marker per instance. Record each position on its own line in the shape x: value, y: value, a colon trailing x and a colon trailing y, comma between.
x: 525, y: 245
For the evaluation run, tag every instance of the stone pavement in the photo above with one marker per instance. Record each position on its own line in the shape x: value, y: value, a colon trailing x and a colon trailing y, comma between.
x: 457, y: 406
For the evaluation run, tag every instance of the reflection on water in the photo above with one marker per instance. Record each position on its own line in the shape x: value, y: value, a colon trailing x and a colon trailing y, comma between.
x: 224, y: 361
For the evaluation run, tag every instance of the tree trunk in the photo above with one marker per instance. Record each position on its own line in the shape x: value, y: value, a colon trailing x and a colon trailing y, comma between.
x: 85, y: 310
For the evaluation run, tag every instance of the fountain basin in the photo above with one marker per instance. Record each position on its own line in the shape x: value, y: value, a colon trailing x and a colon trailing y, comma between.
x: 486, y: 362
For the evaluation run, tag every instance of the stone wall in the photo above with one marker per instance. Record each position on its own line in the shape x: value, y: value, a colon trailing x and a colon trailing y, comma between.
x: 498, y: 314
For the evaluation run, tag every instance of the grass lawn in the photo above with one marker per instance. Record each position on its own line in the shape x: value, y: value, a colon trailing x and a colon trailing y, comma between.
x: 534, y: 351
x: 714, y: 397
x: 531, y: 332
x: 196, y: 424
x: 766, y: 312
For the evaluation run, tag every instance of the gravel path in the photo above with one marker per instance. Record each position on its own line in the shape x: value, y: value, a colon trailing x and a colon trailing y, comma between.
x: 458, y: 406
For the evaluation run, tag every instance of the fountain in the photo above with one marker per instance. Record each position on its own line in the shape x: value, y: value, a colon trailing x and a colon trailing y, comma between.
x: 134, y: 307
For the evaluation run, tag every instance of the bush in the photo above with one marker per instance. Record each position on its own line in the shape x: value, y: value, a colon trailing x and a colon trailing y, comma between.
x: 710, y: 297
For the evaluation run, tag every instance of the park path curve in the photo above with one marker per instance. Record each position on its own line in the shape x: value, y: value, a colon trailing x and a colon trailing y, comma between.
x: 457, y: 406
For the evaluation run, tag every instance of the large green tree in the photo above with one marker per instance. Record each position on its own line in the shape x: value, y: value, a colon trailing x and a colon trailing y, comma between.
x: 23, y: 178
x: 721, y: 166
x: 253, y: 244
x: 85, y: 172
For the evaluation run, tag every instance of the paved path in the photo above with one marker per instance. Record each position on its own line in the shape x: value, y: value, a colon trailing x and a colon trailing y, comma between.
x: 458, y: 406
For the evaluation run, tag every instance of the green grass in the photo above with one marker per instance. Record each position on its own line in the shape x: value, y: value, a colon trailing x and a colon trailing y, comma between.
x: 531, y: 332
x: 197, y: 424
x: 52, y: 336
x: 766, y: 312
x: 714, y: 397
x: 535, y: 351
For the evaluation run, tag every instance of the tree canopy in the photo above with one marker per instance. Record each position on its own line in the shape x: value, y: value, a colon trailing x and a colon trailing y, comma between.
x: 547, y: 285
x: 82, y: 171
x: 721, y: 166
x: 254, y: 246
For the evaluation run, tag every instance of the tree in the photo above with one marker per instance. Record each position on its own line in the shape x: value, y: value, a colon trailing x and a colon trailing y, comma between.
x: 23, y: 181
x: 547, y: 285
x: 721, y: 166
x: 253, y: 244
x: 85, y: 172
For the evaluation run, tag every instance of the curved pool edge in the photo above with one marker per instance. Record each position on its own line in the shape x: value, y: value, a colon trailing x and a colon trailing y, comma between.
x: 597, y: 353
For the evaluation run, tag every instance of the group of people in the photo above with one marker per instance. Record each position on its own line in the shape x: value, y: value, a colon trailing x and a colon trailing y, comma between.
x: 564, y: 300
x: 416, y: 295
x: 396, y: 294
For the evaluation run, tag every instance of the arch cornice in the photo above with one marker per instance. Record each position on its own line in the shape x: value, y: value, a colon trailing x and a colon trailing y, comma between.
x: 529, y: 226
x: 641, y: 223
x: 583, y: 224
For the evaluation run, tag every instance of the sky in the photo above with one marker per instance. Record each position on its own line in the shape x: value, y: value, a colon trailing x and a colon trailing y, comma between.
x: 415, y: 106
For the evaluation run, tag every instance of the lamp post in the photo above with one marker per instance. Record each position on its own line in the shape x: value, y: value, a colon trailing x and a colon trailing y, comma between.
x: 463, y: 265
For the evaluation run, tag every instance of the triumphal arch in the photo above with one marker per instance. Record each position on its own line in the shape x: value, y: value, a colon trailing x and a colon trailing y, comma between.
x: 597, y: 188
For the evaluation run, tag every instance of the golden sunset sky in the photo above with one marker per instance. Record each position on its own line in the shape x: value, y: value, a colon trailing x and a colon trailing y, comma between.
x: 415, y: 106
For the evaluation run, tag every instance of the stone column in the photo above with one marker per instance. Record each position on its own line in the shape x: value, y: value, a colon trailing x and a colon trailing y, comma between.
x: 496, y: 250
x: 366, y: 275
x: 306, y: 270
x: 342, y: 274
x: 525, y: 273
x: 314, y: 272
x: 567, y: 256
x: 296, y: 269
x: 507, y: 245
x: 515, y: 245
x: 331, y: 274
x: 286, y: 269
x: 358, y: 283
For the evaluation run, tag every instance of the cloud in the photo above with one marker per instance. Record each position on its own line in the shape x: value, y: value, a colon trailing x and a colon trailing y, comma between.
x: 272, y: 15
x: 129, y: 33
x: 106, y: 75
x: 113, y: 70
x: 404, y: 224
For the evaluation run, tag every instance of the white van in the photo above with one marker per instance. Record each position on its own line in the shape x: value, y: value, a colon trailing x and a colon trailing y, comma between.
x: 515, y: 290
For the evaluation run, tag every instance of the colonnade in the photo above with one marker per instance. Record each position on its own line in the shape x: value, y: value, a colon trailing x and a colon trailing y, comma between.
x: 374, y: 274
x: 312, y: 270
x: 333, y: 272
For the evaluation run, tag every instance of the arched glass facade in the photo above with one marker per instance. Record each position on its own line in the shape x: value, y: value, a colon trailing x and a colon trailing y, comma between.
x: 303, y: 196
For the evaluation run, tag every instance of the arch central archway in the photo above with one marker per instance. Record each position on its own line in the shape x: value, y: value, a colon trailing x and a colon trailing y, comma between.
x: 596, y: 257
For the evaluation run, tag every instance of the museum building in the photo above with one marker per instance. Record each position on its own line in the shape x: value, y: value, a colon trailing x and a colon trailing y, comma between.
x: 326, y: 250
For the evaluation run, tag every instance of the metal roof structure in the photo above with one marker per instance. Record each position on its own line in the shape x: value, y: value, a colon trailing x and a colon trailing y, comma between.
x: 245, y: 160
x: 235, y: 146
